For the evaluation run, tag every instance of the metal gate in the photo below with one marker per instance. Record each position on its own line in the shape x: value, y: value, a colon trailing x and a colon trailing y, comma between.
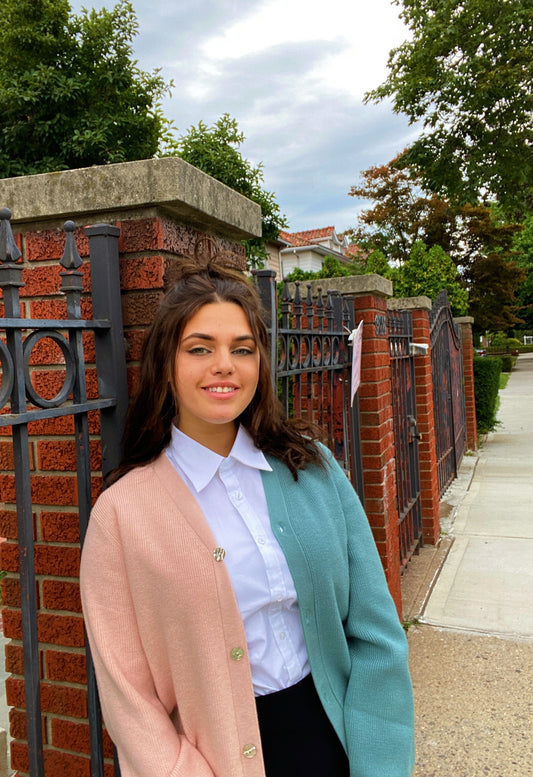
x: 448, y: 390
x: 400, y: 329
x: 311, y: 365
x: 21, y: 404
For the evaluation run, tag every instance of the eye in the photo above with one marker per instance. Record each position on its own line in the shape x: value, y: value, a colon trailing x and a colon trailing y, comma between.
x: 198, y: 350
x: 244, y: 351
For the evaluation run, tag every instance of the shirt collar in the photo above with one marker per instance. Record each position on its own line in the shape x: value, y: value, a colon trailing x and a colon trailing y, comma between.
x: 201, y: 464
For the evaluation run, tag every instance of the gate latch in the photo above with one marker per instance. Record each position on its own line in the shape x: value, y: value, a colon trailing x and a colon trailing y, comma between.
x: 413, y: 429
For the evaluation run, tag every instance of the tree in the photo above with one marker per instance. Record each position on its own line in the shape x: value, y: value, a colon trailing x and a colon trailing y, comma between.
x: 523, y: 245
x: 467, y: 74
x: 215, y: 150
x: 72, y: 96
x: 474, y: 237
x: 425, y: 272
x: 494, y: 283
x: 429, y: 271
x: 70, y: 93
x: 402, y: 213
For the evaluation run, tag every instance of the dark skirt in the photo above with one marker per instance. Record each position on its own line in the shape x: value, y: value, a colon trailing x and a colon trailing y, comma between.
x: 297, y: 737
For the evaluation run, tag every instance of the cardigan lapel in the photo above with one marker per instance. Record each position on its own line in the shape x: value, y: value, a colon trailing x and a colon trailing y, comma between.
x: 184, y: 500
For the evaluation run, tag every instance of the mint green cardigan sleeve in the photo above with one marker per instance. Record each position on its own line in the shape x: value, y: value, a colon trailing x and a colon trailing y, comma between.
x: 356, y: 645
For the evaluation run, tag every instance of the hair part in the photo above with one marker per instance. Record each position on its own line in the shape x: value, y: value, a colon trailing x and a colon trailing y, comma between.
x: 153, y: 408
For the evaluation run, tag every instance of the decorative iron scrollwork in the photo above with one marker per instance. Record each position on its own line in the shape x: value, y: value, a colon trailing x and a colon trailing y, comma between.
x: 8, y: 374
x: 70, y: 368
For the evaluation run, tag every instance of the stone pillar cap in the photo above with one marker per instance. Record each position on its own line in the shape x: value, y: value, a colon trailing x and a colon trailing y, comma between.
x: 132, y: 190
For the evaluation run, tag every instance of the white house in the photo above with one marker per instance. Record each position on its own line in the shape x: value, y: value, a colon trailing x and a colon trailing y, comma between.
x: 307, y: 250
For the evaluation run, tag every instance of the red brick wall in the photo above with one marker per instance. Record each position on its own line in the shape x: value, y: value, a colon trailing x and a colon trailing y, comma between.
x: 150, y: 249
x: 427, y: 450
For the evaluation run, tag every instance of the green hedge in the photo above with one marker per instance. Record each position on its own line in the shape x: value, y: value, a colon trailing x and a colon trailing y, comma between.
x: 507, y: 362
x: 486, y: 385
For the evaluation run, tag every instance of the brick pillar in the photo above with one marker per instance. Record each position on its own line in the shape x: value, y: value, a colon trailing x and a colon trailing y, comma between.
x: 152, y: 243
x: 466, y: 323
x: 377, y: 436
x: 427, y: 447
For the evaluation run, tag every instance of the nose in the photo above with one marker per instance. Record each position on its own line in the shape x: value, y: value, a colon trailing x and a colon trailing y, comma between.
x: 223, y: 362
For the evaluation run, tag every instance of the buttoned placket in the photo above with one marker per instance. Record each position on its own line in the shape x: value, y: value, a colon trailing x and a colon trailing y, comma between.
x: 272, y: 556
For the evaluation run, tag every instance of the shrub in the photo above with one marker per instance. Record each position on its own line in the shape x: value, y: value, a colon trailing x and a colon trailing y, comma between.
x: 507, y: 362
x: 486, y: 385
x: 501, y: 342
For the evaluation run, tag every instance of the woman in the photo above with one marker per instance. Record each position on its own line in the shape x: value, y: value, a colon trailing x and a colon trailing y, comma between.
x: 239, y: 618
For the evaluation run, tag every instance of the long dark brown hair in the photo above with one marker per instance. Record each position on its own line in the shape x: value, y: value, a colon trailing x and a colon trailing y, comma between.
x: 153, y: 408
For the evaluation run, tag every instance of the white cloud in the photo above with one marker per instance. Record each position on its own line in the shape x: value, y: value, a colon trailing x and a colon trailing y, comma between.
x: 363, y: 34
x: 293, y: 74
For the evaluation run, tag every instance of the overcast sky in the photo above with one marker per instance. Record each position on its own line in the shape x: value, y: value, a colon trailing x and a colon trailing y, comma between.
x: 293, y: 73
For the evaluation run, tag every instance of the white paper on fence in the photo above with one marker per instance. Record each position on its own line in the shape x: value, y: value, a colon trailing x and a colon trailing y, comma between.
x: 356, y: 339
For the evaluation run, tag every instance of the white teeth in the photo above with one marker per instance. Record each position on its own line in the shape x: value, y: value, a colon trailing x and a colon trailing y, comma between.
x: 221, y: 389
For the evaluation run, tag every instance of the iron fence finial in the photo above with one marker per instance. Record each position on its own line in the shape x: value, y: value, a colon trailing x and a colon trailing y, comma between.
x: 9, y: 251
x: 71, y: 259
x: 285, y: 293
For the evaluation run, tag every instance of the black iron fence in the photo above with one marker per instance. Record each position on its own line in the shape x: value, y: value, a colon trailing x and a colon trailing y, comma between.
x: 22, y: 404
x: 311, y: 362
x: 400, y: 332
x: 448, y: 390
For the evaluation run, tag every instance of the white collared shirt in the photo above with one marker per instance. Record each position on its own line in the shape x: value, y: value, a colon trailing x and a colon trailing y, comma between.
x: 231, y: 495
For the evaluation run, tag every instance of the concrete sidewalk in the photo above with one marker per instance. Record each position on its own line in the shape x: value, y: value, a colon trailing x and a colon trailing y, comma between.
x: 470, y: 603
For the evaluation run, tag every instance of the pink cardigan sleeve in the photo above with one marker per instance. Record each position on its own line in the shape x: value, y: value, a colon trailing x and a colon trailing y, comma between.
x: 147, y: 741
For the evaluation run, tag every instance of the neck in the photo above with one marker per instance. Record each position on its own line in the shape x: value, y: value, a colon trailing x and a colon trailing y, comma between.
x: 218, y: 438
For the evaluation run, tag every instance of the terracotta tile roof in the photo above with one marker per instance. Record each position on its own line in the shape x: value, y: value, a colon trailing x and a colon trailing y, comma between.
x: 308, y: 237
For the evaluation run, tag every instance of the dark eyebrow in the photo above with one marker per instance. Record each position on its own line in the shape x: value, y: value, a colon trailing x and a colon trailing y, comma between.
x: 210, y: 338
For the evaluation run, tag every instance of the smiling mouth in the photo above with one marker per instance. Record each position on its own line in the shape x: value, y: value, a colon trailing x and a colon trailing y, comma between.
x: 221, y: 389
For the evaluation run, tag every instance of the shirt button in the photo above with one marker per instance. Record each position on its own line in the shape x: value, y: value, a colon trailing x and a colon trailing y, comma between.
x: 219, y: 554
x: 237, y: 653
x: 261, y: 540
x: 249, y: 751
x: 282, y: 635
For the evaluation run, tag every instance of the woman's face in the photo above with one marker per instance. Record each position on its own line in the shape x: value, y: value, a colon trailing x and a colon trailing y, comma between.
x: 216, y: 374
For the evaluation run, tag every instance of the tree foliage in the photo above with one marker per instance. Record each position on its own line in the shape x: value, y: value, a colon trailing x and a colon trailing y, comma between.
x: 494, y: 283
x: 215, y: 150
x: 428, y: 271
x: 467, y: 74
x: 424, y: 272
x: 401, y: 213
x: 331, y: 268
x: 523, y: 246
x: 477, y: 240
x: 70, y: 93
